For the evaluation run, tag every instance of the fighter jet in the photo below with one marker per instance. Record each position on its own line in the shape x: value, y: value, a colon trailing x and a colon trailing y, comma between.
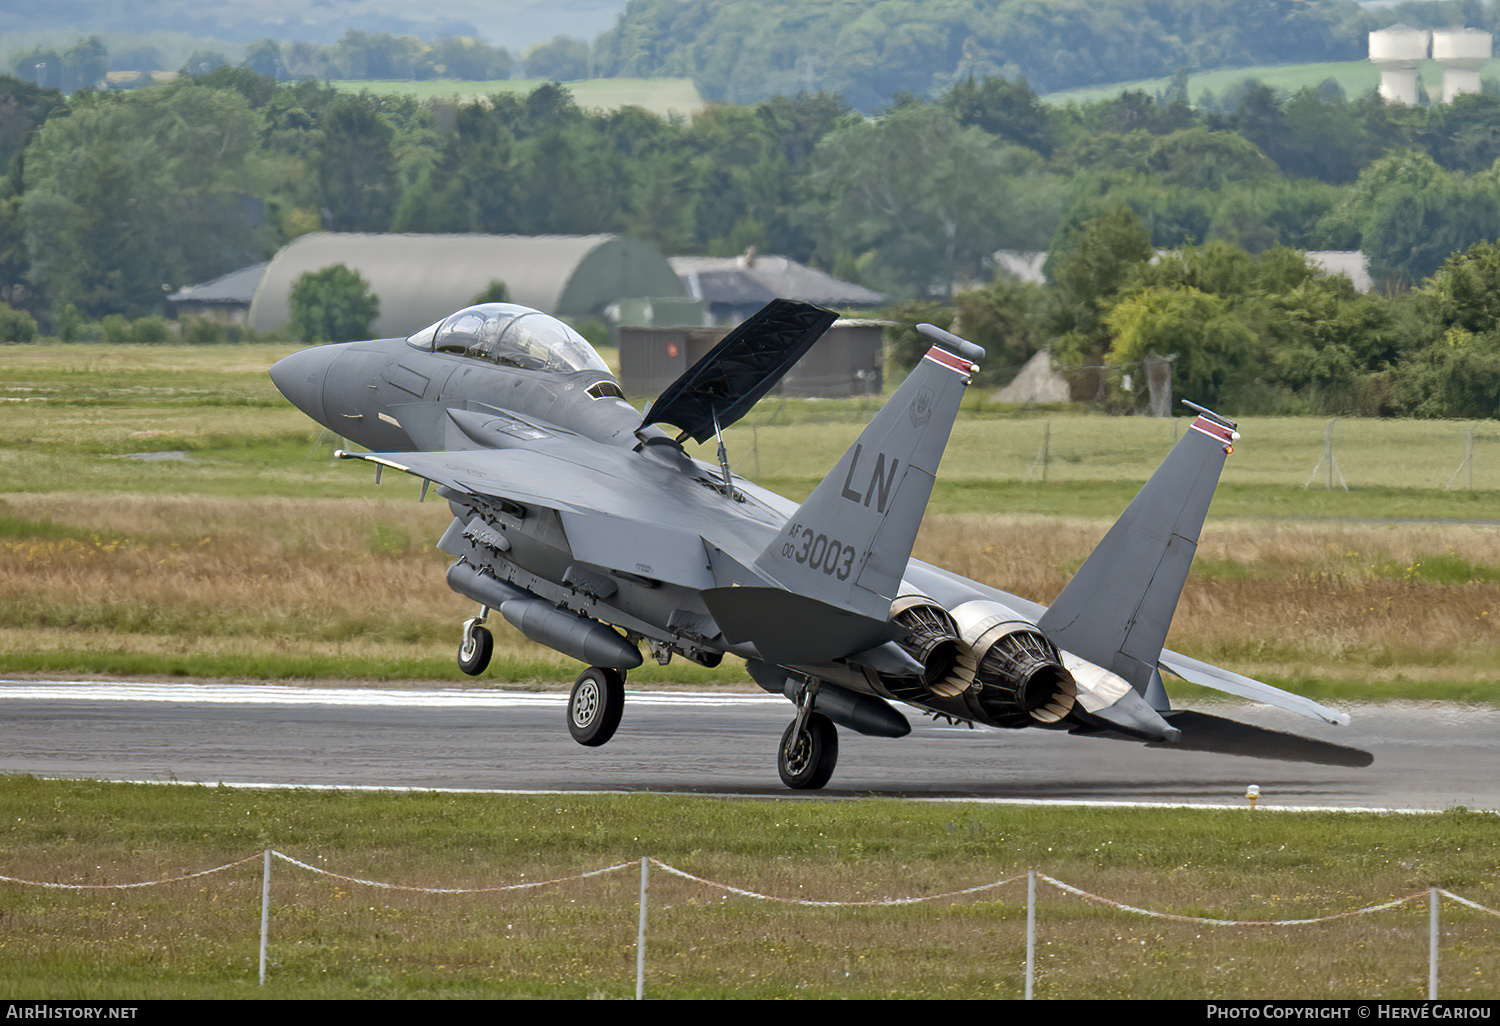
x: 591, y: 529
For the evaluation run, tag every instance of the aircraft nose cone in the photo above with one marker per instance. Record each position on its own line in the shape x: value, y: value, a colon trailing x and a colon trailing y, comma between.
x: 300, y: 376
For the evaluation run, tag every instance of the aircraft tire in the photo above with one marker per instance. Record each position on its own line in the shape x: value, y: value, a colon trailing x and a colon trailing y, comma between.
x: 474, y: 654
x: 807, y: 763
x: 595, y: 705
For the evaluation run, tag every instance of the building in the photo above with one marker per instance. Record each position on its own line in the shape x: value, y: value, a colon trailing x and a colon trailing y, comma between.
x: 225, y: 300
x: 1027, y: 266
x: 846, y: 361
x: 420, y: 279
x: 733, y: 288
x: 1400, y: 51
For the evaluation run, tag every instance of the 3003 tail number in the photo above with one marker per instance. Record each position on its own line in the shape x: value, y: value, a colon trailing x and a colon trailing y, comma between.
x: 818, y: 552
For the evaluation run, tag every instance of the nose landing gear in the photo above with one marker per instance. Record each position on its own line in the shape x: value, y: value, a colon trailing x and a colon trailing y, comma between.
x: 478, y: 645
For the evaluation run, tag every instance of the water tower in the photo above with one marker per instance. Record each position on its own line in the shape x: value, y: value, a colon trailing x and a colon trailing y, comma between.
x: 1397, y: 51
x: 1461, y: 52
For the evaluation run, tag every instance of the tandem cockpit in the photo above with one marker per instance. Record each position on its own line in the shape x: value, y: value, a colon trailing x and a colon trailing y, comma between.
x: 510, y: 336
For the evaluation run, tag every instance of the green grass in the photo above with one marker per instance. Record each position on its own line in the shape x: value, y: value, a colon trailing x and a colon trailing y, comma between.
x: 662, y: 96
x: 373, y: 667
x: 1354, y: 77
x: 337, y: 938
x: 71, y: 417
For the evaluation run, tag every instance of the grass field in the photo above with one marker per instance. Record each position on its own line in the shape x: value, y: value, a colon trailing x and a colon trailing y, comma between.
x: 662, y: 96
x: 164, y: 511
x: 336, y: 938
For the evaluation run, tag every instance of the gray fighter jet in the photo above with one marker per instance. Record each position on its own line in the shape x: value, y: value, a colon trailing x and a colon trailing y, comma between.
x: 592, y: 531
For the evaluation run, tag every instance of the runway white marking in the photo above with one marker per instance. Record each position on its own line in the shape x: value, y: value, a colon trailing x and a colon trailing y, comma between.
x: 1034, y: 802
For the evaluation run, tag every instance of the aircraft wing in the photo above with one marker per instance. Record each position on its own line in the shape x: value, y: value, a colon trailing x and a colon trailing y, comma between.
x: 602, y: 491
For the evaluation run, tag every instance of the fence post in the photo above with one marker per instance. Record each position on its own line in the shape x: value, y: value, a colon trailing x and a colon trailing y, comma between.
x: 1329, y: 460
x: 1467, y: 464
x: 1041, y: 459
x: 265, y: 909
x: 640, y: 934
x: 1030, y: 930
x: 1432, y: 943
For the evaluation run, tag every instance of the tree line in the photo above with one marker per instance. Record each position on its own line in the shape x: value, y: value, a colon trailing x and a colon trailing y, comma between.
x: 741, y: 51
x: 356, y: 56
x: 111, y: 201
x: 1246, y: 333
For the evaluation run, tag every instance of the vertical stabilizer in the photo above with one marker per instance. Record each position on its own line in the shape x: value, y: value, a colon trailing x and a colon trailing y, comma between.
x: 1116, y: 610
x: 849, y: 543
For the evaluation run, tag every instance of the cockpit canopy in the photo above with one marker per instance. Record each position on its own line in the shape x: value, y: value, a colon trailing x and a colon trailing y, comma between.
x: 512, y: 336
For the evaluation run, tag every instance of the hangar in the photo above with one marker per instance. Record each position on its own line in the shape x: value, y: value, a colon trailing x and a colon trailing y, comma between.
x: 422, y: 278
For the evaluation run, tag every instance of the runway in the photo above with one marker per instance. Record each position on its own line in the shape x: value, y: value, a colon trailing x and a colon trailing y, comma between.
x: 1428, y: 756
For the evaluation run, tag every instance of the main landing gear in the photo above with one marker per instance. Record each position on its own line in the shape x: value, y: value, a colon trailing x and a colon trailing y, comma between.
x: 595, y: 705
x: 809, y: 748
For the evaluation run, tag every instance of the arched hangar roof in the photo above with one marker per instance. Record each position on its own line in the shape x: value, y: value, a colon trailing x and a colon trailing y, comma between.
x: 423, y: 278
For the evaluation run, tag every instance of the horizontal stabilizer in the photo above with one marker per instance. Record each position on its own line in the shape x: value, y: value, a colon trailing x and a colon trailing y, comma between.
x: 1195, y: 671
x: 1202, y: 732
x: 787, y: 628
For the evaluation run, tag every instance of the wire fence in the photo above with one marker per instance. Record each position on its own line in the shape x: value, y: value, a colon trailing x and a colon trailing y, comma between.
x: 645, y: 864
x: 805, y: 439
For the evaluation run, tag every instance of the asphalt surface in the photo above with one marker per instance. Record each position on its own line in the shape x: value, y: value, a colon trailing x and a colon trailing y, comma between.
x: 1427, y: 756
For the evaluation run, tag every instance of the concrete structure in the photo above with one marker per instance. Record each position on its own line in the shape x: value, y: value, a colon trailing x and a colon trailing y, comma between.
x: 423, y: 278
x: 1027, y: 266
x: 736, y: 287
x: 1397, y: 51
x: 1037, y: 382
x: 1351, y: 263
x: 1461, y: 52
x: 1022, y: 265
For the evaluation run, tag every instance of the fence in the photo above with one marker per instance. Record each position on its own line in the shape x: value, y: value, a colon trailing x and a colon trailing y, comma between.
x: 1032, y: 878
x: 804, y: 439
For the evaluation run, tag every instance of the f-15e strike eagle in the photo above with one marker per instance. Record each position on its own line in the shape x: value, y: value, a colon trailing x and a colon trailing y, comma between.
x: 592, y: 531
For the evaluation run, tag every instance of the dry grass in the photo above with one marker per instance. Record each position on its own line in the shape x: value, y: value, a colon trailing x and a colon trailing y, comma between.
x: 336, y: 578
x: 1359, y: 602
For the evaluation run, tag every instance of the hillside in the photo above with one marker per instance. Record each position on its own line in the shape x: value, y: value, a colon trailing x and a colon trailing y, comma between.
x: 514, y: 24
x: 661, y: 96
x: 740, y: 51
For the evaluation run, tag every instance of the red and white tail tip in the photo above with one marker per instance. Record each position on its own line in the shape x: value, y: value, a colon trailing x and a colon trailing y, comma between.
x: 952, y: 361
x: 1219, y: 432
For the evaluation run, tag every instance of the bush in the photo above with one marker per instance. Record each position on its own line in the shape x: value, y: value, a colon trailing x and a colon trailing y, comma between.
x: 150, y: 331
x: 16, y: 325
x: 200, y: 331
x: 69, y: 324
x: 333, y: 305
x: 116, y: 329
